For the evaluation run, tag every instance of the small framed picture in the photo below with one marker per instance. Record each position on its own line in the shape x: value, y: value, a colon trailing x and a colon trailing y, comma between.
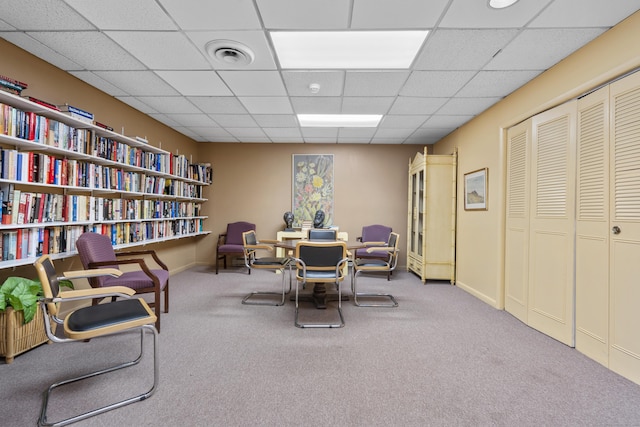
x: 475, y: 190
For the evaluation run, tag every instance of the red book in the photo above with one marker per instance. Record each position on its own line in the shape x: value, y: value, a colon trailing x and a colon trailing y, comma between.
x: 19, y: 243
x: 31, y: 130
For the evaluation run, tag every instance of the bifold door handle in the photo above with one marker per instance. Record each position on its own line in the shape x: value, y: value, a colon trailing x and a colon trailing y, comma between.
x: 615, y: 229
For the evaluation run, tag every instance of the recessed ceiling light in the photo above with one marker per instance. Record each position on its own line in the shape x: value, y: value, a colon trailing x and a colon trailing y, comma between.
x: 339, y: 120
x: 501, y: 4
x: 347, y: 49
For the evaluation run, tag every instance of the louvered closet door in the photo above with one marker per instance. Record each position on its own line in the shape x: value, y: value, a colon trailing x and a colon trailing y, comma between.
x: 551, y: 238
x: 517, y: 221
x: 624, y: 281
x: 592, y: 227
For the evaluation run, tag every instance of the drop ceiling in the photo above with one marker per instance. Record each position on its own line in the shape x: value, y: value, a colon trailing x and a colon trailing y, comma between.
x: 151, y: 55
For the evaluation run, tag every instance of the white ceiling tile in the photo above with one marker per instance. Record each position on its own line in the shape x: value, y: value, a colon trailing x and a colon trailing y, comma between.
x: 212, y: 132
x: 467, y: 106
x: 152, y: 47
x: 539, y: 49
x: 585, y: 13
x: 234, y: 120
x: 348, y: 140
x: 326, y: 105
x: 137, y: 104
x: 189, y: 132
x: 448, y: 49
x: 41, y: 51
x: 414, y: 104
x: 277, y: 133
x: 393, y: 133
x: 430, y: 134
x: 219, y: 14
x: 435, y: 83
x: 495, y: 83
x: 478, y: 14
x: 169, y: 104
x: 361, y: 133
x: 288, y: 140
x: 446, y: 121
x: 98, y: 82
x: 267, y: 104
x: 163, y: 118
x: 124, y: 14
x: 317, y: 140
x: 192, y: 120
x: 256, y: 41
x: 243, y: 132
x: 218, y: 104
x: 276, y: 120
x: 39, y: 14
x: 5, y: 26
x: 137, y: 83
x: 319, y: 133
x: 92, y: 50
x: 304, y: 14
x: 397, y: 14
x: 366, y: 105
x: 387, y: 141
x: 254, y: 83
x: 196, y: 83
x: 298, y: 82
x: 402, y: 122
x: 374, y: 83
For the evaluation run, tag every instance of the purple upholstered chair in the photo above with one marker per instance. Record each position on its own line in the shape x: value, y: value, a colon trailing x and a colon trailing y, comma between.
x: 374, y: 235
x: 230, y: 243
x: 95, y: 251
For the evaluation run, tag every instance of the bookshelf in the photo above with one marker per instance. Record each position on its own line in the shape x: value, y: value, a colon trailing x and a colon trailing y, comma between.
x: 61, y: 176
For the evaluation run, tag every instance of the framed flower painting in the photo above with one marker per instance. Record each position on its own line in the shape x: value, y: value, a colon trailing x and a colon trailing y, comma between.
x: 312, y: 187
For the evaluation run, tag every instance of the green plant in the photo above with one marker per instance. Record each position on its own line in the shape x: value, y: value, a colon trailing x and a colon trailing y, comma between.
x: 22, y: 294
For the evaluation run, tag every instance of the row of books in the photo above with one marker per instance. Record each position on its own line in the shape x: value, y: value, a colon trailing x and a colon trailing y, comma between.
x: 22, y: 207
x: 34, y: 127
x: 26, y: 243
x: 42, y: 168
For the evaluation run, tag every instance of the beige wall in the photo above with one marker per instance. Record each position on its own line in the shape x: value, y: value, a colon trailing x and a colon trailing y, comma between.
x: 480, y: 144
x: 53, y: 85
x: 252, y: 182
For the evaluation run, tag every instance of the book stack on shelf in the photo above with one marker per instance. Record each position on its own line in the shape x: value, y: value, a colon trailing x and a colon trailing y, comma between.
x: 10, y: 85
x: 62, y: 175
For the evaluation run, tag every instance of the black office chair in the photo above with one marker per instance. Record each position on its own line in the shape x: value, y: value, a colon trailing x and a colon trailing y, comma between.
x: 251, y: 246
x: 91, y: 322
x: 320, y: 263
x: 376, y: 265
x: 322, y: 234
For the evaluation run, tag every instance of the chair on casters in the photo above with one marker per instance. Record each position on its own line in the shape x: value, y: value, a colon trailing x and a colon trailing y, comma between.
x: 91, y: 322
x: 374, y: 235
x: 96, y: 251
x: 375, y: 265
x: 251, y: 246
x: 230, y: 242
x: 320, y: 263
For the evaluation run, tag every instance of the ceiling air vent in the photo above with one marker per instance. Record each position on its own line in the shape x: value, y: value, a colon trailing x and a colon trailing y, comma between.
x: 229, y: 52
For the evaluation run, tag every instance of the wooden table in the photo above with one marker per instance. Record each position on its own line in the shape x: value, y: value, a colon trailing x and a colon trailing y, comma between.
x: 319, y: 295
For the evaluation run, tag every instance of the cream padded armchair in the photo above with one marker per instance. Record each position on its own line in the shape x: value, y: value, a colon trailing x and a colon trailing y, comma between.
x: 376, y: 265
x: 91, y: 322
x: 251, y: 246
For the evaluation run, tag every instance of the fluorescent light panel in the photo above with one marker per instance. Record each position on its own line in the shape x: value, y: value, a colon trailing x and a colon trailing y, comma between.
x: 339, y: 120
x: 347, y: 49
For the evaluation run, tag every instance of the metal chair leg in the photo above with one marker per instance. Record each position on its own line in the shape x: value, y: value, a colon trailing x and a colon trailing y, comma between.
x: 321, y: 325
x: 43, y: 414
x: 247, y: 299
x: 392, y: 301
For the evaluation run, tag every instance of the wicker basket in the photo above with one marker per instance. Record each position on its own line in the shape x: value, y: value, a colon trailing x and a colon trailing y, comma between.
x: 16, y: 338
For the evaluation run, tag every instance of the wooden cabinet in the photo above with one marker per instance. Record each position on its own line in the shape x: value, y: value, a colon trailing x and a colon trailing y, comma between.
x: 431, y: 222
x: 61, y: 176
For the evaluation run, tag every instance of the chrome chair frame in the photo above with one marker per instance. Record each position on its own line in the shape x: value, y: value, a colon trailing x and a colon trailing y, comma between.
x: 134, y: 314
x: 376, y: 265
x: 250, y: 246
x: 324, y: 272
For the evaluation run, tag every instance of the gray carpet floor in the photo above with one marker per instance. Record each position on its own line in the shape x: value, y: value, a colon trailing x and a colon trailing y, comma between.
x: 442, y: 358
